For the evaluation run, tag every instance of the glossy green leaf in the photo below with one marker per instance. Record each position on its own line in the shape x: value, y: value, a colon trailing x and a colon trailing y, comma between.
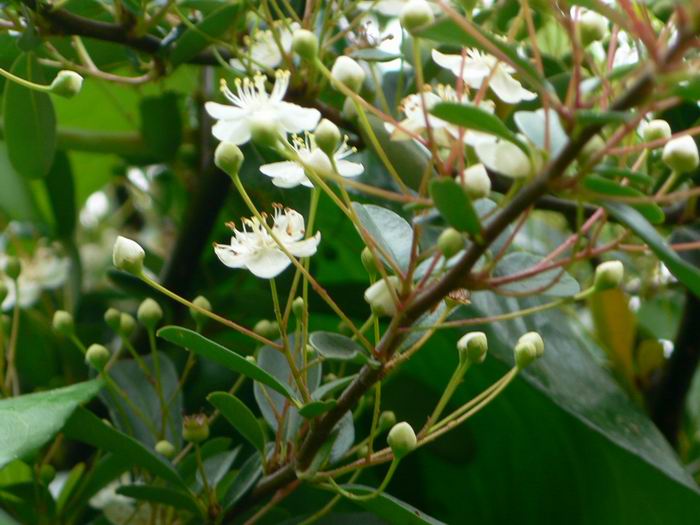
x: 161, y: 124
x: 16, y: 198
x: 455, y: 205
x: 69, y: 485
x: 240, y: 417
x: 200, y: 345
x: 316, y: 408
x: 60, y: 189
x: 86, y: 427
x: 388, y: 230
x: 685, y: 272
x: 391, y: 509
x: 337, y: 347
x: 244, y: 481
x: 586, y: 117
x: 197, y: 38
x: 372, y: 54
x: 602, y: 186
x: 545, y: 133
x: 553, y: 282
x: 29, y: 121
x: 28, y: 422
x: 612, y: 172
x: 177, y: 499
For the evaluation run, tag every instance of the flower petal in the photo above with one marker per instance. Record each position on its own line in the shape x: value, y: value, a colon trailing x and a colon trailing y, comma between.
x: 295, y: 119
x: 222, y: 111
x: 508, y: 89
x: 504, y: 157
x: 472, y: 70
x: 349, y: 169
x: 229, y: 257
x: 305, y: 248
x: 236, y: 131
x: 267, y: 263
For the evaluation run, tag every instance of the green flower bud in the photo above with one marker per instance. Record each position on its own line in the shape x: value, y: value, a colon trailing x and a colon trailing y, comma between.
x: 63, y: 323
x: 329, y: 377
x: 327, y: 137
x: 450, y: 242
x: 656, y: 130
x: 593, y: 27
x: 67, y: 84
x: 13, y: 267
x: 127, y: 324
x: 681, y: 154
x: 379, y: 296
x: 305, y: 44
x: 203, y: 303
x: 265, y: 131
x: 195, y: 428
x: 387, y: 419
x: 47, y: 473
x: 251, y: 359
x: 472, y: 347
x: 362, y: 451
x: 228, y: 158
x: 266, y: 328
x: 591, y: 149
x: 416, y: 14
x: 298, y: 307
x: 149, y: 313
x: 608, y: 274
x: 128, y: 255
x: 97, y: 356
x: 368, y: 261
x: 534, y: 339
x: 347, y: 72
x: 113, y: 318
x: 528, y: 348
x: 401, y: 439
x: 349, y: 111
x: 165, y: 448
x: 476, y: 182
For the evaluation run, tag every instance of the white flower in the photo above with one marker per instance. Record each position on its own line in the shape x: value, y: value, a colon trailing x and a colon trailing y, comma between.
x: 393, y: 7
x: 44, y: 270
x: 290, y: 173
x: 443, y: 132
x: 254, y: 248
x: 263, y: 51
x: 252, y: 101
x: 379, y: 296
x: 128, y: 255
x: 476, y: 67
x: 505, y: 158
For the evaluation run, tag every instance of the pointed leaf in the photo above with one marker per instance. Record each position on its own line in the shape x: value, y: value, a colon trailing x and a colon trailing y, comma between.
x: 240, y: 417
x: 455, y: 205
x: 391, y: 509
x: 177, y: 499
x: 603, y: 186
x: 389, y: 230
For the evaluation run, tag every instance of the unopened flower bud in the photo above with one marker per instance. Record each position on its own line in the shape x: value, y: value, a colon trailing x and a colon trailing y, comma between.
x: 591, y: 149
x: 608, y: 274
x: 528, y: 348
x: 113, y: 318
x: 387, y: 419
x: 67, y: 83
x: 362, y: 451
x: 416, y: 14
x: 267, y: 329
x: 348, y: 72
x: 476, y: 182
x: 228, y: 158
x: 201, y: 302
x: 681, y: 154
x: 128, y: 255
x: 656, y: 130
x: 149, y: 313
x: 97, y: 356
x: 305, y: 44
x: 472, y: 347
x: 327, y: 137
x: 265, y: 130
x: 298, y: 307
x: 47, y: 473
x: 593, y: 27
x: 329, y: 377
x: 379, y: 296
x: 536, y: 340
x: 127, y: 324
x: 368, y: 261
x: 195, y: 428
x: 450, y: 242
x: 251, y: 359
x: 165, y: 448
x: 401, y: 439
x: 13, y: 267
x: 349, y: 111
x: 63, y: 323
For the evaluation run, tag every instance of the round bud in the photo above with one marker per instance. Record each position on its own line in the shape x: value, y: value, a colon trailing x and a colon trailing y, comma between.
x: 63, y: 323
x: 3, y: 291
x: 525, y: 353
x: 401, y: 439
x: 362, y: 451
x: 416, y: 14
x: 535, y: 340
x: 592, y: 27
x: 476, y: 182
x: 113, y: 318
x: 379, y: 296
x: 251, y: 359
x: 305, y: 44
x: 46, y: 473
x: 195, y: 428
x: 387, y: 419
x: 472, y: 347
x: 201, y: 302
x: 149, y: 313
x: 266, y: 328
x: 656, y: 130
x: 165, y: 448
x: 265, y: 130
x: 13, y: 267
x: 347, y: 72
x: 608, y: 274
x: 298, y: 307
x: 128, y: 255
x: 228, y: 158
x: 97, y: 356
x: 67, y: 84
x: 681, y: 154
x: 344, y: 328
x: 450, y: 242
x: 330, y: 377
x: 327, y: 137
x: 591, y: 149
x: 368, y: 261
x: 127, y: 324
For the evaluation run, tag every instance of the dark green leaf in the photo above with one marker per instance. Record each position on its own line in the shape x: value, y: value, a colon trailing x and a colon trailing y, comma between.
x: 455, y: 205
x: 612, y: 172
x: 587, y: 117
x: 391, y: 509
x: 61, y: 192
x: 240, y: 417
x: 29, y: 421
x: 337, y: 347
x: 16, y: 198
x: 194, y: 40
x: 316, y: 408
x: 214, y: 351
x: 244, y: 481
x: 650, y: 210
x: 29, y: 121
x: 178, y: 499
x: 161, y: 125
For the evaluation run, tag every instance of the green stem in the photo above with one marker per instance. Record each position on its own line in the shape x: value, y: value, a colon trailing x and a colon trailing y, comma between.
x: 164, y: 411
x: 452, y: 385
x: 11, y: 378
x: 24, y: 82
x: 365, y: 497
